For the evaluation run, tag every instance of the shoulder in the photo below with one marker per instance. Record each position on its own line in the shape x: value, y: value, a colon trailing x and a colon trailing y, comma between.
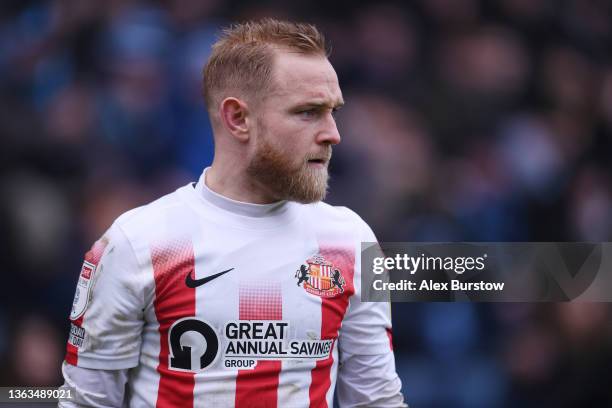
x: 159, y: 217
x: 341, y: 215
x: 334, y: 212
x: 156, y: 211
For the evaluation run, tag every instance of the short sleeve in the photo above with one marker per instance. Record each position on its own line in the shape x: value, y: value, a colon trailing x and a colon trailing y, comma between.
x: 107, y: 313
x: 366, y: 328
x: 369, y: 381
x: 367, y: 376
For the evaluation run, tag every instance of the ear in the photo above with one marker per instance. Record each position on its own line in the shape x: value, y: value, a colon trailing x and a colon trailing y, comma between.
x: 234, y: 114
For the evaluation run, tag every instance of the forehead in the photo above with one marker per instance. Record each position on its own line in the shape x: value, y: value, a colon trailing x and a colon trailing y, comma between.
x: 298, y: 77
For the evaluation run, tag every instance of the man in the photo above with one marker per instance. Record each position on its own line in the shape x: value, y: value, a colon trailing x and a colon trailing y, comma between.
x: 192, y: 299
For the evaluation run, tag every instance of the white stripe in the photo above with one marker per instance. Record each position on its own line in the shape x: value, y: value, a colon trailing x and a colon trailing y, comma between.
x: 216, y: 301
x: 295, y: 376
x: 144, y: 379
x: 333, y: 375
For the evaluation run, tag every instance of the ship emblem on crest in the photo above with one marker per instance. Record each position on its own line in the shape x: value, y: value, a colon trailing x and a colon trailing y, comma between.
x: 320, y: 277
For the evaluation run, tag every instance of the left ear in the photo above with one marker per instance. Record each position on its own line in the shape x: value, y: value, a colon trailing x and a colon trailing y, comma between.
x: 234, y: 114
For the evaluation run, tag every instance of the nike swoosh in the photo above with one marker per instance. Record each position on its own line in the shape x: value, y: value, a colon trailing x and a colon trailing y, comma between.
x: 194, y: 283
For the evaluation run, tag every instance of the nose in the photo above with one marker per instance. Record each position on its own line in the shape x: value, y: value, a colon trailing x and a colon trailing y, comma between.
x: 329, y: 133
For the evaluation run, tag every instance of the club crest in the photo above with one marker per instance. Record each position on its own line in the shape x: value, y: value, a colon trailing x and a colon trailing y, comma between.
x: 320, y: 277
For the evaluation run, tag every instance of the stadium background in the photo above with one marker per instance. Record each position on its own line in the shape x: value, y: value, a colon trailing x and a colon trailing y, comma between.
x: 465, y: 120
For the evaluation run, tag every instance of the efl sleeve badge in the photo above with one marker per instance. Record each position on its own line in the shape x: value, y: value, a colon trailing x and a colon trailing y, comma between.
x: 83, y: 289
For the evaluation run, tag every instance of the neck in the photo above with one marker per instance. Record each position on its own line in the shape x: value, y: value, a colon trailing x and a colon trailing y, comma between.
x: 230, y: 180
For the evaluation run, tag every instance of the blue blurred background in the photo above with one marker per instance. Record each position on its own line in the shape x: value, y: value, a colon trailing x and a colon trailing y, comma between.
x: 465, y: 120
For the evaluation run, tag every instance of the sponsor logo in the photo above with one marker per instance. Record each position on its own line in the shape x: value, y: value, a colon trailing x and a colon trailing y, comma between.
x: 77, y: 335
x: 187, y: 350
x: 87, y: 270
x: 320, y: 277
x: 249, y: 341
x: 194, y: 283
x: 195, y: 344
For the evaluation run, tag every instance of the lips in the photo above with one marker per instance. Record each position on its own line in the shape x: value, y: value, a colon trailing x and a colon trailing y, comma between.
x: 320, y: 158
x: 318, y: 163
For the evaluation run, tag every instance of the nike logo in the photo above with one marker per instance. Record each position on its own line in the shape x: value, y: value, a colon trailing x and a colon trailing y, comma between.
x: 194, y: 283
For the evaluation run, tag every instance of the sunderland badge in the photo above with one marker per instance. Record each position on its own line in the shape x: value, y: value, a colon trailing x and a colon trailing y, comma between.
x: 320, y: 277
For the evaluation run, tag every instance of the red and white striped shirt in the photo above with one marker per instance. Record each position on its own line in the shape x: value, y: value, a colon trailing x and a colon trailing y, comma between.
x: 211, y: 302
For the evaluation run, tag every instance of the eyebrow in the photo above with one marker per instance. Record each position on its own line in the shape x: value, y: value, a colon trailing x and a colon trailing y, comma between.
x: 320, y: 105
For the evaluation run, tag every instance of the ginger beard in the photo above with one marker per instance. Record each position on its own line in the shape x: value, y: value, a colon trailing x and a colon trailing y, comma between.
x: 304, y: 183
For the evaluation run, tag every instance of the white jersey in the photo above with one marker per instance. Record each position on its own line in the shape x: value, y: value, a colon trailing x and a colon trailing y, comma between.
x: 215, y: 303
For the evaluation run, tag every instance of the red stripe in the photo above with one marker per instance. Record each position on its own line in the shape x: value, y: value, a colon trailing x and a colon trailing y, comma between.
x: 332, y: 313
x: 390, y: 336
x: 173, y: 300
x: 72, y: 356
x: 259, y: 387
x: 92, y: 256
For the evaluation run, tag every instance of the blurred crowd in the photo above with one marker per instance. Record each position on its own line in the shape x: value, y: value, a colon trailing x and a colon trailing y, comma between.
x: 465, y: 120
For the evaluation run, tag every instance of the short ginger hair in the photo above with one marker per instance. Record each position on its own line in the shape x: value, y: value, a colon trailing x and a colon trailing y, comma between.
x: 242, y: 58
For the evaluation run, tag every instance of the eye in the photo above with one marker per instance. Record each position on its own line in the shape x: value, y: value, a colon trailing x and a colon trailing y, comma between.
x: 334, y: 112
x: 308, y: 113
